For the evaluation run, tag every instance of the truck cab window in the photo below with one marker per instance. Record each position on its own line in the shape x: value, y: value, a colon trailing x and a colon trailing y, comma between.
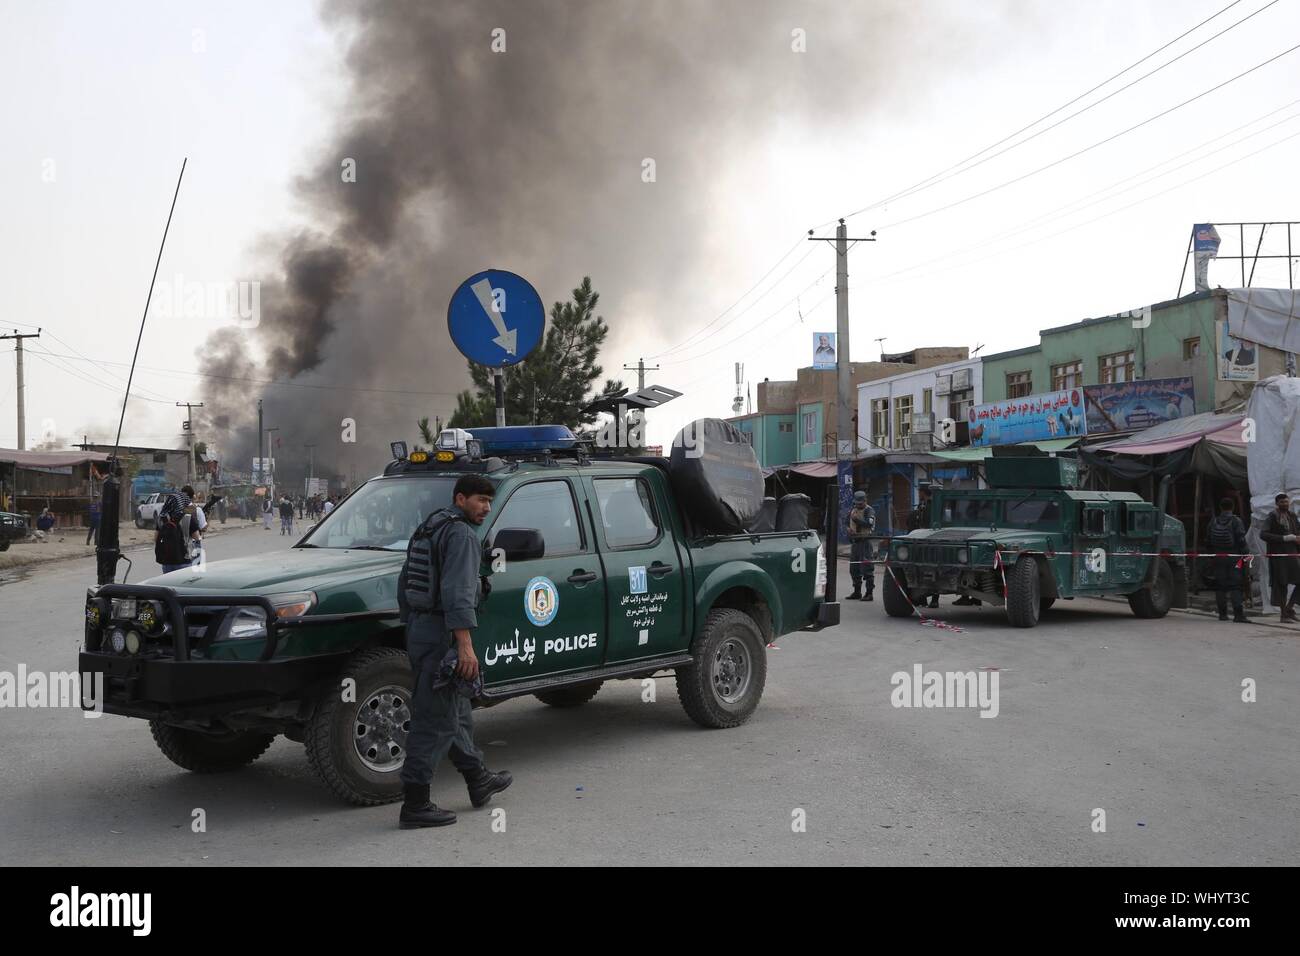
x: 626, y: 512
x: 546, y: 506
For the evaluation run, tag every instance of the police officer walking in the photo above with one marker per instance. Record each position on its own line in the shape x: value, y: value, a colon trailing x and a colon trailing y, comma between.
x: 862, y: 521
x: 439, y: 592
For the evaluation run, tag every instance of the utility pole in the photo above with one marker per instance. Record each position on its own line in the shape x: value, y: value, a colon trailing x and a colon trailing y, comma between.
x: 270, y: 447
x: 846, y: 444
x: 640, y: 368
x: 189, y: 436
x: 311, y: 466
x: 258, y: 476
x: 22, y: 402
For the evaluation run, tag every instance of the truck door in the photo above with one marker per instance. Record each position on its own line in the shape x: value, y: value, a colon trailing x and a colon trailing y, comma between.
x: 644, y: 574
x: 547, y: 614
x: 1094, y: 555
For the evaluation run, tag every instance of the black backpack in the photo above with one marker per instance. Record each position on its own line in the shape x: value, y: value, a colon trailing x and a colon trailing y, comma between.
x: 169, y: 542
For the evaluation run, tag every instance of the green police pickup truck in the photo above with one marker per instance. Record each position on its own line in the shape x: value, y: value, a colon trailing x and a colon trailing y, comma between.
x: 1031, y: 538
x: 598, y: 573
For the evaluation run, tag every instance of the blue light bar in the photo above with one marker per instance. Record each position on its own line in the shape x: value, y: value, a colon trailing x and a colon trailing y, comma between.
x: 518, y: 439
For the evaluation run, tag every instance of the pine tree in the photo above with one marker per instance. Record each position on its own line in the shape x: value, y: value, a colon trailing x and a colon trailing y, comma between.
x: 551, y: 385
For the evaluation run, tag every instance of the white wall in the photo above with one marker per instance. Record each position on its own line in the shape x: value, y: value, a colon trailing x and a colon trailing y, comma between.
x: 914, y: 384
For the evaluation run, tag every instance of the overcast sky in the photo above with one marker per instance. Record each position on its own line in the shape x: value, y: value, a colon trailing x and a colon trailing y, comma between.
x: 101, y: 101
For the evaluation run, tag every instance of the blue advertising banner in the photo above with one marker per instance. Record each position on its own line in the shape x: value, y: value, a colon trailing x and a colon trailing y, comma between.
x: 1029, y: 418
x: 1129, y: 406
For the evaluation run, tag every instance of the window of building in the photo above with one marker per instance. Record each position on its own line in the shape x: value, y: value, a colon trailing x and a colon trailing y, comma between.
x: 626, y: 512
x: 1067, y: 375
x: 160, y: 458
x: 1019, y: 384
x: 903, y: 421
x: 880, y: 421
x: 810, y: 428
x: 1191, y: 348
x: 786, y: 427
x: 548, y: 507
x: 927, y: 400
x: 1117, y: 367
x: 959, y: 404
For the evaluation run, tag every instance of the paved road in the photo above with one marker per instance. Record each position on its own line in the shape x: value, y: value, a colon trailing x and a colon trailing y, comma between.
x: 1096, y: 710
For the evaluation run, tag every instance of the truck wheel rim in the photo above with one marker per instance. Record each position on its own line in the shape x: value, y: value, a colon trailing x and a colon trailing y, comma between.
x: 731, y: 670
x: 380, y: 726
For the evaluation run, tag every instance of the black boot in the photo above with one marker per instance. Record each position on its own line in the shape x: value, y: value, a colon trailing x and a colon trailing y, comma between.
x: 869, y: 596
x: 1239, y: 616
x: 483, y: 783
x: 417, y: 811
x: 857, y: 593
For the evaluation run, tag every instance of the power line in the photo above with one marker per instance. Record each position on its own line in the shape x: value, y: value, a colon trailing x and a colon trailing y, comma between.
x: 789, y: 252
x: 1087, y: 149
x: 931, y: 180
x: 1048, y: 129
x: 1083, y: 202
x: 1112, y: 212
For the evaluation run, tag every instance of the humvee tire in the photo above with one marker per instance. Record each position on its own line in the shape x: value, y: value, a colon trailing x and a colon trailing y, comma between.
x: 357, y: 747
x: 723, y: 687
x: 208, y: 753
x: 569, y: 696
x: 1155, y: 601
x: 1023, y: 593
x: 4, y: 544
x: 896, y: 602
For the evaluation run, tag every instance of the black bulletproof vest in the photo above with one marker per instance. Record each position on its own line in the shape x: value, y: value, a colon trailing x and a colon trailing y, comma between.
x: 419, y: 580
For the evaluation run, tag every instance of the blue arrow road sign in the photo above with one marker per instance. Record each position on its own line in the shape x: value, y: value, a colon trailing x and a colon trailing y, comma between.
x: 496, y: 318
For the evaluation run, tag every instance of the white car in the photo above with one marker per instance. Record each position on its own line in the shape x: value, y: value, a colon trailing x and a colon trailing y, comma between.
x: 146, y: 512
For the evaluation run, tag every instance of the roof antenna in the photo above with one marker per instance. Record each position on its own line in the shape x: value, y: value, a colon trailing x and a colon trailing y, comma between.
x: 107, y: 552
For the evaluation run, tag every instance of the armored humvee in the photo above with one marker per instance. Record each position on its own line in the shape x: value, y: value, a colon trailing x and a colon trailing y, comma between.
x: 1031, y: 538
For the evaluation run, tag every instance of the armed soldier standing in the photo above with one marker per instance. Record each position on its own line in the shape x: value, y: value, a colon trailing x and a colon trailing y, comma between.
x: 919, y: 517
x: 439, y: 592
x: 862, y: 521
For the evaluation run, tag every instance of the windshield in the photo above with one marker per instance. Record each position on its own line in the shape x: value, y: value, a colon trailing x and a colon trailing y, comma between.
x: 1034, y: 513
x: 382, y: 513
x: 968, y: 512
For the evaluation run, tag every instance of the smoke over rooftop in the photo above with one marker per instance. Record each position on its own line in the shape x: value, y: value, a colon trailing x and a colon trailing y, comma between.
x: 528, y: 159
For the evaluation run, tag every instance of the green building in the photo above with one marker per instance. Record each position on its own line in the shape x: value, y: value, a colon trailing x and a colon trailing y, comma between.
x: 772, y: 436
x: 1168, y: 340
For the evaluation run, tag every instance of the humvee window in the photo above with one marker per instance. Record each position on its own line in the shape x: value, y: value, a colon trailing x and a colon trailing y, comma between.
x: 1094, y: 521
x: 1033, y: 513
x: 969, y: 511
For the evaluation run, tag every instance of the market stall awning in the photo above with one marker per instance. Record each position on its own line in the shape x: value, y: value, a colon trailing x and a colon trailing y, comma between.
x: 49, y: 459
x: 813, y: 469
x: 979, y: 454
x: 1178, y: 434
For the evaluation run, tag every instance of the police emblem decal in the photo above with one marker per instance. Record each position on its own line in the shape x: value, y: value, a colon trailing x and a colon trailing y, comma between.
x: 541, y: 601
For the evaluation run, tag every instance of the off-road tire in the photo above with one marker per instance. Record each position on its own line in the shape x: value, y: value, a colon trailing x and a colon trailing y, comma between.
x: 140, y: 522
x: 696, y: 687
x: 208, y: 753
x: 1023, y: 593
x: 331, y: 751
x: 569, y: 696
x: 896, y: 602
x: 4, y: 544
x: 1155, y: 601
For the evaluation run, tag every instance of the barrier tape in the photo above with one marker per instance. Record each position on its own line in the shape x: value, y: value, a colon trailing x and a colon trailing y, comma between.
x: 924, y: 621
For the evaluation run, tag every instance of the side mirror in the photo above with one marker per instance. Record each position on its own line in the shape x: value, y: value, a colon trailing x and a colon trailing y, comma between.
x: 520, y: 544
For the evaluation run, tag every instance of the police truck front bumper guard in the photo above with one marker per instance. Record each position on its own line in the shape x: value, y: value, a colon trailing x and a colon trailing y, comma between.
x: 146, y: 682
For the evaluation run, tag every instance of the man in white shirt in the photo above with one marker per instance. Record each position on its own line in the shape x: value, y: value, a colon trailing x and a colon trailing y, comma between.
x: 193, y: 523
x: 329, y: 506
